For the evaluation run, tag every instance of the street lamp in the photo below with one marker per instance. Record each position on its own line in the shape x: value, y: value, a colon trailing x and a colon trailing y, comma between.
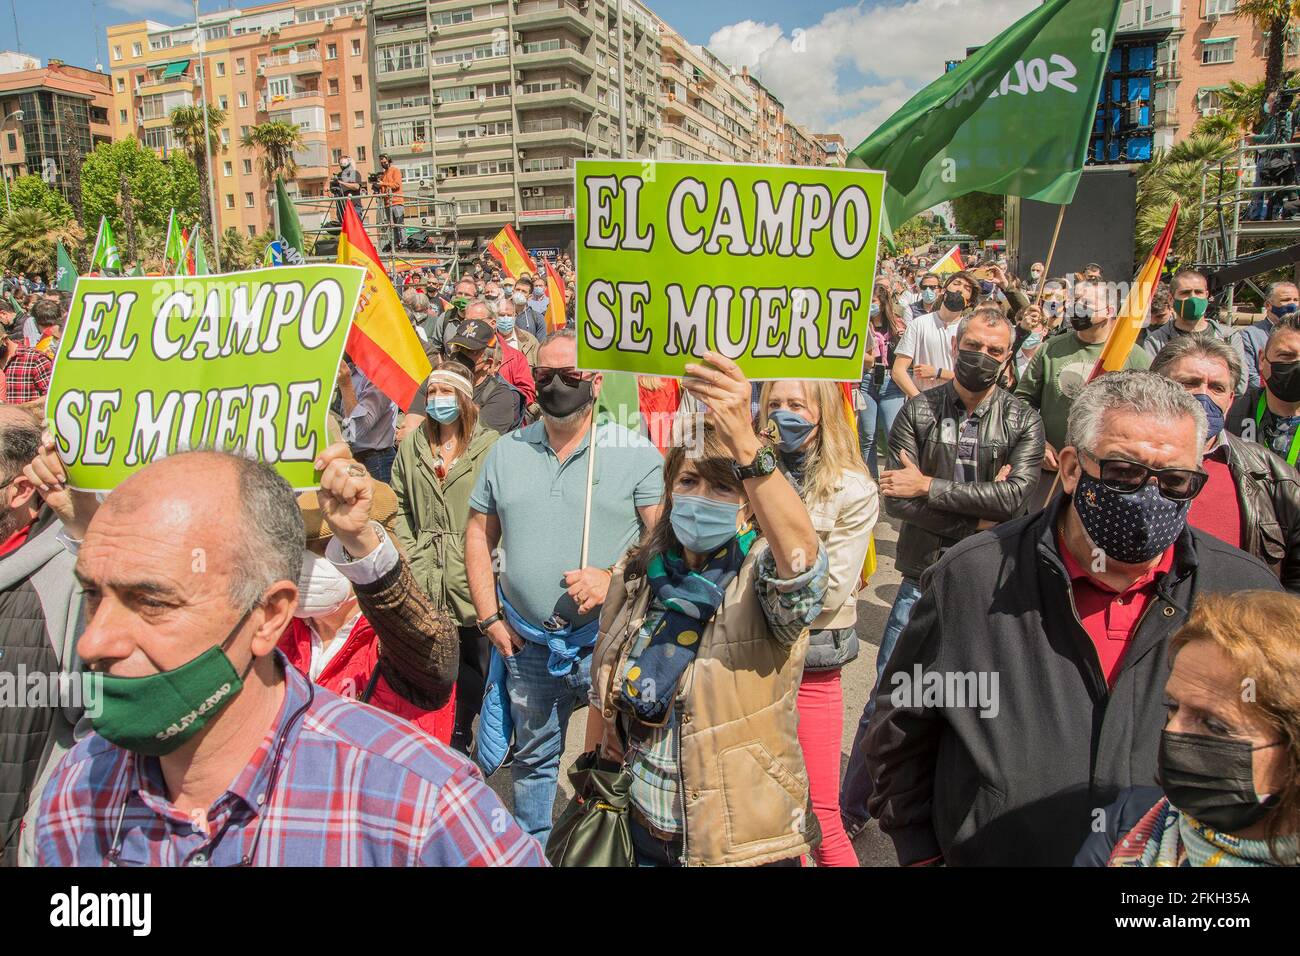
x: 18, y: 116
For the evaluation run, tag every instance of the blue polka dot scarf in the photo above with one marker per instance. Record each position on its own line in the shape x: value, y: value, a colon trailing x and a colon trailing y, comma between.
x: 690, y: 599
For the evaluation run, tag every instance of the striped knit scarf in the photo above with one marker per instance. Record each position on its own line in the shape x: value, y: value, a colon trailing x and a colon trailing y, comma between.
x: 1167, y: 837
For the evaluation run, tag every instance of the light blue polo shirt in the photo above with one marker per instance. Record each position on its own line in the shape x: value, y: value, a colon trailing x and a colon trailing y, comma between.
x: 540, y: 503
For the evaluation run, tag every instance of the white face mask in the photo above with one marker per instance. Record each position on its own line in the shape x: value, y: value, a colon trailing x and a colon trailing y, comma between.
x: 322, y: 589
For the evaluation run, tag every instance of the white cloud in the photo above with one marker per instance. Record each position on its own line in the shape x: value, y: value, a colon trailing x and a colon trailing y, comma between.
x: 899, y: 48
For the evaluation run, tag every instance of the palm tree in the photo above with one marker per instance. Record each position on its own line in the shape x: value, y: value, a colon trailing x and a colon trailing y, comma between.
x: 1176, y: 174
x: 28, y: 236
x: 277, y: 141
x: 1272, y: 17
x: 187, y: 123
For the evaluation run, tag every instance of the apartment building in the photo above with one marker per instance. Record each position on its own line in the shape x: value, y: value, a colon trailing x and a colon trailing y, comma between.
x: 61, y: 106
x: 488, y: 104
x: 709, y: 111
x: 301, y: 63
x: 1202, y: 45
x: 834, y: 150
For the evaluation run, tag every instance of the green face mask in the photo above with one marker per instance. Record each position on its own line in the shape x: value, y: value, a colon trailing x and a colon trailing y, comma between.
x: 460, y: 302
x: 1191, y: 310
x: 155, y: 715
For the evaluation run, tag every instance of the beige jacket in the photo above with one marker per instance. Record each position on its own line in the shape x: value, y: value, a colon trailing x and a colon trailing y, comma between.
x: 742, y: 770
x: 844, y: 523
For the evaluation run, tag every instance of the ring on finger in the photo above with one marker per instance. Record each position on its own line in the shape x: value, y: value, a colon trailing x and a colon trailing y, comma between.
x: 356, y: 469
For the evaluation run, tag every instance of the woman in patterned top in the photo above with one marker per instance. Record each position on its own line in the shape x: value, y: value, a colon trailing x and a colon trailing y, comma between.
x: 703, y: 633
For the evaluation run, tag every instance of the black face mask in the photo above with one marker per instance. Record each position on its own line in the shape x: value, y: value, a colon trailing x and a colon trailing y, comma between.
x: 1284, y: 381
x: 976, y: 371
x: 1212, y: 780
x: 1082, y: 317
x: 954, y: 301
x: 559, y: 400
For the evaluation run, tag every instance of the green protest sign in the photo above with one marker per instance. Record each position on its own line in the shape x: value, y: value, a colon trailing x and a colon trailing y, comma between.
x: 245, y: 360
x: 772, y: 266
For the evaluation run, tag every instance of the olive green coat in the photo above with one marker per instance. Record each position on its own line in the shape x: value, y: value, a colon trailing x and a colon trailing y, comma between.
x: 431, y: 517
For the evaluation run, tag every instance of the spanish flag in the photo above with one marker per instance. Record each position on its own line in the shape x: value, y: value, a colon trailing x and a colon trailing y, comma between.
x: 510, y: 252
x: 555, y: 293
x: 1123, y: 335
x: 382, y: 342
x: 950, y: 263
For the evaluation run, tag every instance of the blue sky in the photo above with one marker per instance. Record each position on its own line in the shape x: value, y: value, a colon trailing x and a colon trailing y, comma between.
x: 838, y: 65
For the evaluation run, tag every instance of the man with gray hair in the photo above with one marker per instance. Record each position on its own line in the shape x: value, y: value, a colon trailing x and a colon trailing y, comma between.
x: 1283, y: 302
x: 209, y: 749
x: 1066, y: 614
x: 1252, y: 497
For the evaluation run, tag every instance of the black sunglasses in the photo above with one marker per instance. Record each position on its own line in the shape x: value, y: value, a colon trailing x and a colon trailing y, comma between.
x: 543, y: 374
x: 1129, y: 477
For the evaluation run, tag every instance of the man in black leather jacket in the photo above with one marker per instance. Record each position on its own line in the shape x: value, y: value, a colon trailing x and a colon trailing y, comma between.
x: 963, y: 456
x: 1252, y: 499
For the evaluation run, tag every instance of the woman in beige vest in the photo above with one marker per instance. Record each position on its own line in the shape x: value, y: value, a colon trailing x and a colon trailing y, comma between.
x: 817, y: 449
x: 696, y: 671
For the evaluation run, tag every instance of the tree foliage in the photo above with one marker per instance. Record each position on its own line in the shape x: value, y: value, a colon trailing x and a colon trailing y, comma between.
x: 275, y: 142
x: 157, y: 186
x: 32, y: 192
x: 977, y: 214
x: 918, y: 231
x: 27, y: 239
x: 1176, y: 174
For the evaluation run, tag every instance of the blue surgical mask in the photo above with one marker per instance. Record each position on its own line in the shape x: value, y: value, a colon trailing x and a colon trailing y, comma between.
x: 875, y: 309
x: 793, y: 429
x: 929, y: 295
x: 443, y: 409
x: 1213, y: 415
x: 703, y: 524
x: 1031, y: 341
x: 505, y: 324
x: 1282, y: 311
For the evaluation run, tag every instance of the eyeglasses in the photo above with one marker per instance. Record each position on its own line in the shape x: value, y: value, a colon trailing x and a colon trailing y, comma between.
x: 1129, y: 477
x: 543, y: 374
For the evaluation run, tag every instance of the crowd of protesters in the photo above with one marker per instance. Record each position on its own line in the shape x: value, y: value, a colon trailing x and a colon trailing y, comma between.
x: 1091, y: 567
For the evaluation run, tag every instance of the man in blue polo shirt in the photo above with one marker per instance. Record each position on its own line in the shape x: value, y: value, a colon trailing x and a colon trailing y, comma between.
x: 535, y: 602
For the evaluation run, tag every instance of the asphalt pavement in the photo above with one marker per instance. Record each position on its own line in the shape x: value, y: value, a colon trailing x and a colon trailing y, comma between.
x: 873, y: 847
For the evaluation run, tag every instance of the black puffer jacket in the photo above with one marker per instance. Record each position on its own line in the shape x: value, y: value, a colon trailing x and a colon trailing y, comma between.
x: 1010, y: 433
x: 1268, y: 490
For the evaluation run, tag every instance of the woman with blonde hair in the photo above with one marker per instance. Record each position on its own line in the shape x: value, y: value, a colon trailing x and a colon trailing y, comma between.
x: 808, y: 423
x: 1229, y: 763
x: 433, y: 476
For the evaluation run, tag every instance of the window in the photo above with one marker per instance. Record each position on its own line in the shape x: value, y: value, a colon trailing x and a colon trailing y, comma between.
x: 121, y: 84
x: 136, y: 49
x: 117, y: 53
x: 227, y: 168
x: 336, y: 121
x: 230, y: 200
x: 243, y: 131
x: 333, y: 88
x: 361, y: 154
x: 248, y: 167
x: 225, y: 137
x: 121, y: 118
x: 1208, y: 101
x: 1222, y: 50
x: 243, y: 100
x: 1219, y: 7
x: 248, y: 200
x: 241, y: 66
x: 331, y: 51
x: 356, y: 47
x: 356, y: 83
x: 252, y: 230
x: 224, y: 102
x: 13, y: 138
x: 392, y: 57
x: 221, y: 68
x: 359, y: 118
x: 335, y: 155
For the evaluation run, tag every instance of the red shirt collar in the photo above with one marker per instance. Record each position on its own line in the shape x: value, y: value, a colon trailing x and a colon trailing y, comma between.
x: 1076, y: 571
x: 16, y: 540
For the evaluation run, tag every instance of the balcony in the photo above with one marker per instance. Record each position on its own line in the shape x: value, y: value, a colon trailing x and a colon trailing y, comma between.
x: 539, y: 175
x: 416, y: 29
x: 554, y: 131
x: 419, y: 147
x: 406, y: 71
x: 532, y: 14
x: 403, y: 109
x: 553, y: 53
x: 294, y: 63
x: 298, y: 98
x: 570, y: 95
x: 182, y: 82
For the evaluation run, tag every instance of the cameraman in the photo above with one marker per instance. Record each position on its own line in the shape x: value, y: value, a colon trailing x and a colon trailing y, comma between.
x: 1274, y: 167
x: 390, y: 186
x: 347, y: 182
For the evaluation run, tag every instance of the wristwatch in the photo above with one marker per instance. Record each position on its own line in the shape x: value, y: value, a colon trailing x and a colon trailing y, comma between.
x: 487, y: 622
x: 764, y: 463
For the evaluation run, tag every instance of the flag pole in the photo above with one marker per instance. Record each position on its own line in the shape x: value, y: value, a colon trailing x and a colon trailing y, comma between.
x: 1051, y: 251
x: 591, y: 477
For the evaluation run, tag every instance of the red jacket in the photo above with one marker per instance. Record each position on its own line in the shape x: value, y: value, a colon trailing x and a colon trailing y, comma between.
x: 348, y: 674
x: 515, y: 370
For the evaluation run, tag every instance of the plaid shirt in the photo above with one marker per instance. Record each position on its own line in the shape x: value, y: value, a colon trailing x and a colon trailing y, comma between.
x: 355, y: 787
x: 27, y: 375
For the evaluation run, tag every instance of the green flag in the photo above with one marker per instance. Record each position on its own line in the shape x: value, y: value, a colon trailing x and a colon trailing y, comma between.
x: 200, y: 257
x: 174, y: 249
x: 619, y: 400
x: 105, y: 258
x: 291, y: 245
x: 1013, y: 119
x: 66, y: 274
x: 138, y: 270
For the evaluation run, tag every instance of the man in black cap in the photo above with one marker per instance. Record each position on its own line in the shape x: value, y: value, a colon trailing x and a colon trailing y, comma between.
x: 500, y: 404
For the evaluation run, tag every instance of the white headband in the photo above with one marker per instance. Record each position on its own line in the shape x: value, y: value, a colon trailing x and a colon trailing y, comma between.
x: 451, y: 378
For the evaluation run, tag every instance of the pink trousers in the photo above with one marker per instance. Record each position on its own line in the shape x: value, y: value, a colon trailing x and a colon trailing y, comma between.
x: 821, y: 726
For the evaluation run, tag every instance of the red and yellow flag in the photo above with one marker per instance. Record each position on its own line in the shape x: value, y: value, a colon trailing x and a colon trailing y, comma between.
x: 382, y: 342
x: 510, y: 252
x: 950, y: 263
x: 1132, y: 316
x: 555, y: 293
